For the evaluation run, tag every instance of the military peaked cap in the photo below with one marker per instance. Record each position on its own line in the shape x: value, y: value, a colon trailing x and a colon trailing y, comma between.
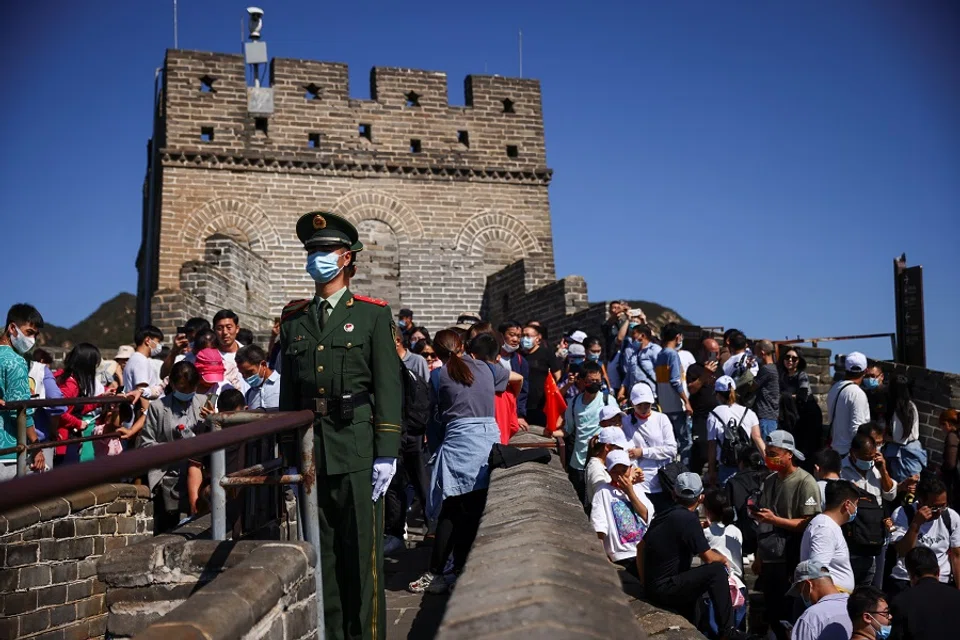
x: 320, y: 229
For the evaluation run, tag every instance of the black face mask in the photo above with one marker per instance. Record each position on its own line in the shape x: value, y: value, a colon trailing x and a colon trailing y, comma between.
x: 592, y: 387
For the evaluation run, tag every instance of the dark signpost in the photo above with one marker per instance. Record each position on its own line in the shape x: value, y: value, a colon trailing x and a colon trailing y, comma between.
x: 908, y: 291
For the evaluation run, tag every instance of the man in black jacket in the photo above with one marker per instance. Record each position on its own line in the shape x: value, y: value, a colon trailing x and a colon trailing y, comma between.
x: 929, y: 609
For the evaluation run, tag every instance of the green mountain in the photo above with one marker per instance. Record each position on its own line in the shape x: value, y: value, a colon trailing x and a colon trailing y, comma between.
x: 111, y: 325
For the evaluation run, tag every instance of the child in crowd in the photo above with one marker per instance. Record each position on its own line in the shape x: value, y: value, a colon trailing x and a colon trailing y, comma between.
x: 826, y: 467
x: 725, y: 537
x: 620, y: 514
x: 609, y: 439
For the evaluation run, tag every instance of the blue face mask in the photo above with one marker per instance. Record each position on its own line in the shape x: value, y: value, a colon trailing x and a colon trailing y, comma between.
x: 526, y: 342
x: 870, y: 383
x: 576, y: 360
x: 322, y: 266
x: 853, y: 516
x: 254, y: 380
x: 184, y: 397
x: 863, y: 465
x: 884, y: 629
x: 593, y: 357
x: 402, y: 323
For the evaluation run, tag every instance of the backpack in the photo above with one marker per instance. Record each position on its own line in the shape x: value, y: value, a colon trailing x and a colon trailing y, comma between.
x: 740, y: 488
x: 416, y: 402
x: 910, y: 510
x: 735, y: 440
x: 668, y: 477
x: 743, y: 377
x: 867, y: 534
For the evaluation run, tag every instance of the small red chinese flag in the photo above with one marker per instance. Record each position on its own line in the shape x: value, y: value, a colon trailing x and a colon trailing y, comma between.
x: 554, y: 405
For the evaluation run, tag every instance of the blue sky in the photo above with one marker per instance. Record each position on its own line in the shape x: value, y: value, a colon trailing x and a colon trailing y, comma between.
x: 751, y: 164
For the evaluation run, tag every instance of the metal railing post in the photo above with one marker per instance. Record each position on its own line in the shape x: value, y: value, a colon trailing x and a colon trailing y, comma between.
x: 310, y: 514
x: 22, y: 441
x: 218, y: 495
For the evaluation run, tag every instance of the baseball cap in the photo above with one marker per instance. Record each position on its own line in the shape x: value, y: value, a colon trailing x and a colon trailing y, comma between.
x: 641, y: 393
x: 807, y: 570
x: 616, y: 457
x: 577, y: 351
x: 614, y: 436
x: 609, y: 411
x: 124, y: 352
x: 724, y: 384
x: 209, y: 365
x: 578, y: 336
x: 855, y: 362
x: 688, y: 484
x: 405, y: 313
x: 784, y: 440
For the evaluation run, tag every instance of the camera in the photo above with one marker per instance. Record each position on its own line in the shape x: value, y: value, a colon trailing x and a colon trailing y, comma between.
x: 256, y: 22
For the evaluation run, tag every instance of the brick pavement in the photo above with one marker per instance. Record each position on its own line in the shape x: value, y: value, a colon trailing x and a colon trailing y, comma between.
x: 411, y: 616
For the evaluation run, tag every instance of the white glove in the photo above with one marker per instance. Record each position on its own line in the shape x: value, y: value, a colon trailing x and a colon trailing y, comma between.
x: 383, y: 472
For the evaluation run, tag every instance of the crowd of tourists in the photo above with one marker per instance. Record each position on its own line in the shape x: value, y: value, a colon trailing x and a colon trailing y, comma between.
x: 700, y: 466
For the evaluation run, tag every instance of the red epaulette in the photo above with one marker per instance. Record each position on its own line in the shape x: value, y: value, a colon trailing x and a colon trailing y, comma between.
x: 376, y: 301
x: 292, y: 308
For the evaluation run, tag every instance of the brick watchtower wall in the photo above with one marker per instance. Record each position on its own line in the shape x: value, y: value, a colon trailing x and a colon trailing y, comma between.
x: 442, y: 195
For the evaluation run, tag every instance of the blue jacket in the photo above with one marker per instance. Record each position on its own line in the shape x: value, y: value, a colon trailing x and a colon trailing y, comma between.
x: 520, y: 365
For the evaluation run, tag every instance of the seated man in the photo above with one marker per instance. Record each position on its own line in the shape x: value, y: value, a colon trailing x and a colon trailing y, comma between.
x: 621, y: 514
x: 674, y: 537
x: 826, y: 616
x: 929, y: 609
x: 869, y: 614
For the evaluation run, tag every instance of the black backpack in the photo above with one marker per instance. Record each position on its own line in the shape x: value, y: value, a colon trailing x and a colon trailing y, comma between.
x: 866, y: 535
x: 735, y: 440
x: 743, y: 377
x: 416, y: 402
x: 668, y: 477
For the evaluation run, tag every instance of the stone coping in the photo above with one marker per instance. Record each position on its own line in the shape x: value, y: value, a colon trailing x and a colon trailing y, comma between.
x: 23, y: 517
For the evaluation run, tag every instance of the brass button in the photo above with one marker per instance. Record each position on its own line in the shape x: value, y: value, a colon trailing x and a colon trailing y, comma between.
x: 320, y: 369
x: 320, y: 347
x: 321, y: 391
x: 349, y: 344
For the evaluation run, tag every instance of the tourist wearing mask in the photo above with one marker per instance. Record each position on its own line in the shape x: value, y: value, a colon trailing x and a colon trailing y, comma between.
x: 652, y: 443
x: 639, y: 358
x: 512, y: 358
x: 869, y: 614
x: 825, y: 617
x: 873, y: 386
x: 418, y: 335
x: 788, y: 500
x: 576, y: 356
x: 594, y: 353
x: 904, y: 453
x: 405, y: 323
x: 78, y: 379
x: 19, y: 335
x: 847, y: 406
x: 866, y: 468
x: 541, y: 364
x: 462, y: 398
x: 823, y: 541
x: 227, y: 325
x: 140, y: 372
x: 672, y: 389
x: 263, y: 383
x: 731, y: 428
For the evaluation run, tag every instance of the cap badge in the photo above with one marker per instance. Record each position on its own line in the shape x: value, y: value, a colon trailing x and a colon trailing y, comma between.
x: 319, y: 222
x: 348, y: 327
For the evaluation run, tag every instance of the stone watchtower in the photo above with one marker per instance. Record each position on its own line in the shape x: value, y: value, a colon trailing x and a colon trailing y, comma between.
x: 443, y: 195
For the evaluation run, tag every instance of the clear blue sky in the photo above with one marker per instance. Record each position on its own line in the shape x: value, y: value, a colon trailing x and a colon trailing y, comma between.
x: 753, y: 164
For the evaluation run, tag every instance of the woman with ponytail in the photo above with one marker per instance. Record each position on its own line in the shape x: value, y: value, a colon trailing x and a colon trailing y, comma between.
x: 462, y: 404
x: 730, y: 428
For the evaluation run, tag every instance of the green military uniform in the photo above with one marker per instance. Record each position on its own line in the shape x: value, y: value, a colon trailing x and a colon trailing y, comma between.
x: 340, y: 353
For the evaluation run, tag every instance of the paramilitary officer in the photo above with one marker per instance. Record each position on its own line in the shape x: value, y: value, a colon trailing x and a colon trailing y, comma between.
x: 340, y: 360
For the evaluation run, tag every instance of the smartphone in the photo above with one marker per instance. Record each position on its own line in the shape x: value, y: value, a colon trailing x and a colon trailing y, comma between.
x: 182, y: 331
x: 635, y: 313
x: 212, y: 401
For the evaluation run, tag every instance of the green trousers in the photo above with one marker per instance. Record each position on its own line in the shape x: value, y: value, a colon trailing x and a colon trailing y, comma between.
x: 351, y: 552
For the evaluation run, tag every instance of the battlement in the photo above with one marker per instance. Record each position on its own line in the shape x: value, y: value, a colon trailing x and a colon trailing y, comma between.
x: 407, y: 121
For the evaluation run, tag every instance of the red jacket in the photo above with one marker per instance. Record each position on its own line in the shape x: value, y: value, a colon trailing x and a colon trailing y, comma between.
x: 71, y: 423
x: 505, y: 411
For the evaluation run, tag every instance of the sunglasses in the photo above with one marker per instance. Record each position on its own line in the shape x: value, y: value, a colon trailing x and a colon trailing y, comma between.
x: 792, y: 358
x: 429, y: 354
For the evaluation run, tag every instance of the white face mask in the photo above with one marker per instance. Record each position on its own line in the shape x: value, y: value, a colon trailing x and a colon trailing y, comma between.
x: 155, y: 350
x: 509, y: 348
x: 22, y: 342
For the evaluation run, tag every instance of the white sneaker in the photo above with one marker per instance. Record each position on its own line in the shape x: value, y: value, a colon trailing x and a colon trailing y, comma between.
x: 425, y: 582
x: 393, y: 545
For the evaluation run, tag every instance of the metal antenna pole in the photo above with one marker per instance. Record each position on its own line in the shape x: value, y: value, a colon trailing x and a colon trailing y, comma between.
x: 520, y: 31
x: 176, y: 41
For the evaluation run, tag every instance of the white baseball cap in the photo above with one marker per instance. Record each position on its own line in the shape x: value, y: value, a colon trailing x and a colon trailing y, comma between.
x: 641, y: 393
x: 614, y: 436
x: 576, y: 350
x: 724, y: 384
x: 124, y: 352
x: 578, y: 336
x: 616, y: 457
x: 855, y: 362
x: 609, y: 411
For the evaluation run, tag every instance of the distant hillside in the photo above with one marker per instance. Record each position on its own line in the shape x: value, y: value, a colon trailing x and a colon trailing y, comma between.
x: 111, y: 325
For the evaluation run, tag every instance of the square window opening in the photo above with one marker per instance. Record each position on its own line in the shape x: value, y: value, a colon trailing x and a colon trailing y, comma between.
x: 311, y: 92
x: 512, y: 151
x: 260, y: 125
x: 313, y: 140
x: 415, y: 146
x: 206, y: 84
x: 413, y: 99
x: 206, y: 134
x: 365, y: 131
x: 463, y: 137
x: 508, y: 106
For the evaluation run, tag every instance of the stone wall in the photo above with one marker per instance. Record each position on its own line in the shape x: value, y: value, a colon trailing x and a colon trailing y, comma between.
x: 173, y: 587
x: 48, y: 560
x: 537, y: 569
x: 442, y: 214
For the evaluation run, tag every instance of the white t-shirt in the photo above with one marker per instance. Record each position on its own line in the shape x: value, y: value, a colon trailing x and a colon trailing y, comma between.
x: 823, y: 541
x: 729, y: 418
x: 848, y: 414
x: 613, y: 515
x: 933, y: 534
x: 139, y: 371
x: 898, y: 431
x: 655, y: 436
x: 731, y: 364
x: 727, y: 540
x: 230, y: 372
x: 596, y: 474
x: 686, y: 359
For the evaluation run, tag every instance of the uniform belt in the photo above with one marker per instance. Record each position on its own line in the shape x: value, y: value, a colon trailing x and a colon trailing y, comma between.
x: 331, y: 406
